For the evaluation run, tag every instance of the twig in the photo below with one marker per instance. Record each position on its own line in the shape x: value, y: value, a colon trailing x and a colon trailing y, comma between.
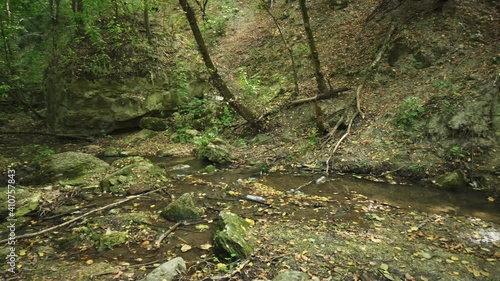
x: 166, y: 233
x: 72, y: 212
x: 28, y: 235
x: 390, y: 172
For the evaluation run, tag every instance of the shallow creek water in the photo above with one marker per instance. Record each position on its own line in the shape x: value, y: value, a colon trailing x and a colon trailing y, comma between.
x: 410, y: 196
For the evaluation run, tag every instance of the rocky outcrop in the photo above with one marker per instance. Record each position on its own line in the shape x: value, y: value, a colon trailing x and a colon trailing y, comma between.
x: 231, y: 239
x: 92, y: 107
x: 181, y: 209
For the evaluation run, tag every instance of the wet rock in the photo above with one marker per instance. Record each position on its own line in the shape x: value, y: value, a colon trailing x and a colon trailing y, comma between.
x: 72, y: 168
x: 181, y: 209
x: 231, y: 239
x: 452, y: 181
x: 291, y: 275
x: 209, y: 169
x: 153, y: 123
x: 169, y: 271
x: 133, y: 175
x: 217, y: 151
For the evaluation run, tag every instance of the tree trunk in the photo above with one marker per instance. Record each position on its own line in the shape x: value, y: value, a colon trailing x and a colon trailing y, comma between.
x: 217, y: 80
x: 320, y: 80
x: 146, y: 22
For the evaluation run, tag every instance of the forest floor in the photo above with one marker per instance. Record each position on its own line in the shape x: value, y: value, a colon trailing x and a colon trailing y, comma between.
x: 342, y: 235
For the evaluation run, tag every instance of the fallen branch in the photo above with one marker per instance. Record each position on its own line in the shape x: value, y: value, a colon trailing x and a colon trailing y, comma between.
x: 77, y: 137
x: 328, y: 95
x: 72, y: 212
x: 166, y: 233
x: 28, y: 235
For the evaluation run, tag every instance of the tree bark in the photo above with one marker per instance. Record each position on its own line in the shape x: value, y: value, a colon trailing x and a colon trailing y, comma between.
x: 146, y: 22
x: 217, y: 80
x: 320, y: 80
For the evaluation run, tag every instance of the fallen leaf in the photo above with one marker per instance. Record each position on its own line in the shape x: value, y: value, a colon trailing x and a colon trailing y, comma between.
x: 205, y: 246
x: 186, y: 248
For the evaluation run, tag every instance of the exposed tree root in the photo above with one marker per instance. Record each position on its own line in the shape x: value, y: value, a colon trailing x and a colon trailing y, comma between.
x: 356, y: 99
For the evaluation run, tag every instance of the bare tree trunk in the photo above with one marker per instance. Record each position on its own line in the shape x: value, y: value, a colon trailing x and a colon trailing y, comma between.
x: 217, y: 80
x: 146, y: 22
x: 320, y: 79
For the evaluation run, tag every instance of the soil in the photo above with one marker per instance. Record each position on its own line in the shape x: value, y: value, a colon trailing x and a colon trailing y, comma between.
x: 341, y: 234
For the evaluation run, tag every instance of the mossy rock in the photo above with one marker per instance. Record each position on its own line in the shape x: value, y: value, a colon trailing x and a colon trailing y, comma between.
x: 217, y: 151
x: 209, y: 169
x: 452, y: 181
x: 181, y: 209
x: 132, y: 172
x: 231, y: 239
x: 111, y: 239
x: 72, y: 168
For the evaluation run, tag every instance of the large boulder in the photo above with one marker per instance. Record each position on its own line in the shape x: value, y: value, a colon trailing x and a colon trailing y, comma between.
x: 181, y: 209
x: 452, y: 181
x: 169, y: 271
x: 291, y: 275
x: 231, y: 239
x: 72, y: 167
x: 133, y: 175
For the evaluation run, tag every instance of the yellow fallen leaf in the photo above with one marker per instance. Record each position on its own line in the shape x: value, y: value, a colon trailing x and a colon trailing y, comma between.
x: 41, y: 254
x: 22, y: 252
x: 89, y: 262
x: 491, y: 199
x: 250, y: 221
x: 453, y: 258
x: 186, y: 248
x: 205, y: 246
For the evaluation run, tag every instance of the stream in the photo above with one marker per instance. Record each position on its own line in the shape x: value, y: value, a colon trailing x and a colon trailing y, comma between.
x: 410, y: 196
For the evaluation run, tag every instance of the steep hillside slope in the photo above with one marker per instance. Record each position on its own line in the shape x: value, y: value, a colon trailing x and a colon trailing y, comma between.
x: 431, y: 104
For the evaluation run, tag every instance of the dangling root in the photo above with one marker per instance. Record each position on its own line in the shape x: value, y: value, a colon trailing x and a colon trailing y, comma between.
x: 356, y: 98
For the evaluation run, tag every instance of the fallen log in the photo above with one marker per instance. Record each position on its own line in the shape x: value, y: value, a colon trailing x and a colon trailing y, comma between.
x: 328, y: 95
